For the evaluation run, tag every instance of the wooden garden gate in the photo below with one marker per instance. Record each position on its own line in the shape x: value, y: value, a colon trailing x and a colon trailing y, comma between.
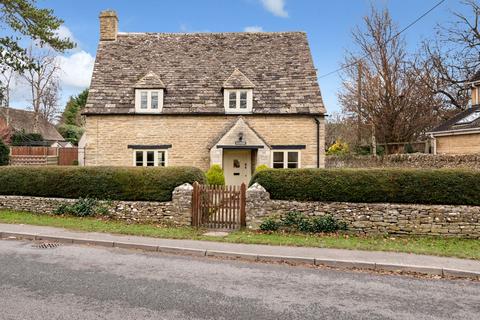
x: 218, y: 207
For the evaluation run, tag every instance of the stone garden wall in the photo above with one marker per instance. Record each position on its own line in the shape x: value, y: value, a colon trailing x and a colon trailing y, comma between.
x: 415, y: 160
x: 175, y: 212
x: 373, y: 218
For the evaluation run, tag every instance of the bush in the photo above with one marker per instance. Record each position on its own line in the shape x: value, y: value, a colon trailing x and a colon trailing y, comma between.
x: 339, y: 148
x: 114, y: 183
x: 409, y: 148
x: 83, y: 207
x: 296, y: 221
x: 422, y: 186
x: 269, y: 224
x: 21, y: 138
x: 215, y: 175
x: 261, y: 167
x: 4, y: 154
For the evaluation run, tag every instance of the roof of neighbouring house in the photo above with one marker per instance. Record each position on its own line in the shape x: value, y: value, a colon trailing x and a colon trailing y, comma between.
x: 465, y: 120
x: 23, y: 120
x: 195, y: 67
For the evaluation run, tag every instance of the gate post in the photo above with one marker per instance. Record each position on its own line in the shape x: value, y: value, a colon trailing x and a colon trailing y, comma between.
x: 243, y: 216
x: 195, y: 209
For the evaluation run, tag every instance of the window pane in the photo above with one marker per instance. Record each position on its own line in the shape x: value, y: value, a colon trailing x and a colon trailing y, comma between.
x: 154, y: 100
x: 150, y: 158
x: 278, y: 157
x: 243, y: 99
x: 232, y: 100
x: 292, y: 165
x: 293, y: 157
x: 143, y: 99
x: 139, y: 158
x: 161, y: 158
x: 278, y: 165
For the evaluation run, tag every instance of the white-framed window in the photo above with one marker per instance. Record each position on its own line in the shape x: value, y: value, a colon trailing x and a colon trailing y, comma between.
x: 148, y: 100
x: 150, y: 158
x: 283, y: 159
x: 238, y: 100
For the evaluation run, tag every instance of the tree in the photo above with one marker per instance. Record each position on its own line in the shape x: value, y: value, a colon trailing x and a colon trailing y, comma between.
x: 450, y: 61
x: 71, y: 127
x: 72, y: 112
x: 4, y: 153
x: 21, y: 19
x: 43, y: 82
x: 386, y: 94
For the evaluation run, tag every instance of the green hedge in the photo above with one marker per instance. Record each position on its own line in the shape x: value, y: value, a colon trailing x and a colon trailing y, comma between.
x: 114, y: 183
x: 435, y: 186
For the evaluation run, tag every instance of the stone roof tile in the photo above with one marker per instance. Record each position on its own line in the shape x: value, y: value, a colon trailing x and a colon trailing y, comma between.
x: 195, y: 66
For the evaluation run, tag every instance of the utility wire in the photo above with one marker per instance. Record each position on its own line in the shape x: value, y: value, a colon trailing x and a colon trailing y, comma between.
x: 390, y: 39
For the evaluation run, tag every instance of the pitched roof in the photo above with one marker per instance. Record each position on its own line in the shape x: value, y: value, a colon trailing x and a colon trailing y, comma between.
x: 238, y: 80
x: 194, y: 67
x: 453, y: 125
x: 150, y: 81
x: 23, y: 120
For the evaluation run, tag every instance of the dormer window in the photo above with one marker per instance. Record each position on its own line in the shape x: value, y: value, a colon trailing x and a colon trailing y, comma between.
x: 238, y: 100
x: 238, y: 93
x: 148, y: 100
x: 149, y: 91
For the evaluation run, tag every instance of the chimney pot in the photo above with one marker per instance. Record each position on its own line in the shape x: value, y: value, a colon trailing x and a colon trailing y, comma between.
x: 108, y: 25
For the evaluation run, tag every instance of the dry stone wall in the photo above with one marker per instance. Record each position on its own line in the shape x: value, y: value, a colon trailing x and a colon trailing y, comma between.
x: 175, y: 212
x: 416, y: 160
x: 373, y: 218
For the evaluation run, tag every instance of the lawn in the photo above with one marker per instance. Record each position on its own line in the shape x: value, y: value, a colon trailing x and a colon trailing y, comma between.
x: 450, y: 247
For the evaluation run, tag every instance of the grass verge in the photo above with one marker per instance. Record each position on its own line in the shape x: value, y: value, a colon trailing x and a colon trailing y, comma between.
x: 450, y: 247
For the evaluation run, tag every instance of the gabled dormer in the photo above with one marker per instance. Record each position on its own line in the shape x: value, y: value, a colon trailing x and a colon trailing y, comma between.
x: 238, y: 93
x: 149, y: 92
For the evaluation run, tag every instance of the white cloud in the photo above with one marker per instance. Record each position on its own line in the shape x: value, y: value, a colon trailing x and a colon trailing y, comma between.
x: 277, y: 7
x: 253, y: 29
x: 76, y: 69
x: 64, y: 33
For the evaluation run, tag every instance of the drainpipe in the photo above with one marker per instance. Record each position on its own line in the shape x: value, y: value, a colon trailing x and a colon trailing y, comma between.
x: 317, y: 121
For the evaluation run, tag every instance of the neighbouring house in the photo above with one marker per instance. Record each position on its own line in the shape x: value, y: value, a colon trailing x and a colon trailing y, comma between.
x: 62, y: 144
x: 234, y: 99
x: 18, y: 120
x: 461, y: 133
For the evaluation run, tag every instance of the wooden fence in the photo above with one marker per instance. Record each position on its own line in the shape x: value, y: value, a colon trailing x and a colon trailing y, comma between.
x: 218, y: 207
x: 38, y: 156
x: 33, y: 151
x: 67, y: 156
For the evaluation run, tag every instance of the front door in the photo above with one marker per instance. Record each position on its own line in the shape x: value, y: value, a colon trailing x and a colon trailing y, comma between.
x: 237, y: 166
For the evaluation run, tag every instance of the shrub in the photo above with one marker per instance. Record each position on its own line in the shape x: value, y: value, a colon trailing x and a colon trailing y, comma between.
x: 409, y: 148
x: 215, y: 175
x: 83, y: 207
x: 4, y: 154
x: 269, y: 224
x: 261, y: 167
x: 114, y: 183
x: 295, y: 221
x: 423, y: 186
x: 20, y: 138
x: 339, y: 148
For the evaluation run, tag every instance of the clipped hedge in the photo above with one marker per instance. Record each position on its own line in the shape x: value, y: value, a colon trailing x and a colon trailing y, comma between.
x: 420, y: 186
x: 110, y: 183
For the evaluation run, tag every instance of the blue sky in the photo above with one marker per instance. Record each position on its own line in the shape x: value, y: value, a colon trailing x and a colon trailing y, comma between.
x: 327, y: 23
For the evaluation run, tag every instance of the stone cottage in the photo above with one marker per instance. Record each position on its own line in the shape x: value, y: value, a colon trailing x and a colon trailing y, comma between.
x: 238, y: 100
x: 461, y: 133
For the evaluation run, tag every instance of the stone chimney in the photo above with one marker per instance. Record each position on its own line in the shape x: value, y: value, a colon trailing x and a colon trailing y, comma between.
x: 108, y: 25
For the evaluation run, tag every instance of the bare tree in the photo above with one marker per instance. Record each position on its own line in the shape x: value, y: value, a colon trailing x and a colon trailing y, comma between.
x: 451, y: 59
x: 42, y: 81
x: 388, y: 96
x: 49, y: 102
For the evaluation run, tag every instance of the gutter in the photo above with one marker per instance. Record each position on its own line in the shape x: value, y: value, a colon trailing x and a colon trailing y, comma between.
x: 454, y: 132
x: 317, y: 121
